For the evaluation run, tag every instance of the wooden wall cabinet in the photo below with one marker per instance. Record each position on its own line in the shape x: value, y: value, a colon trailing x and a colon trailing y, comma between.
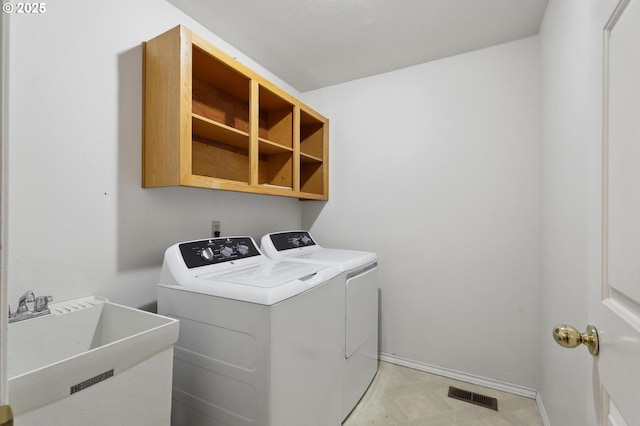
x: 211, y: 122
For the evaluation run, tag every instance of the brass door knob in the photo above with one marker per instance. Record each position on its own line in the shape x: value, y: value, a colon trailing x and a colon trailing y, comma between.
x: 569, y: 337
x: 6, y: 415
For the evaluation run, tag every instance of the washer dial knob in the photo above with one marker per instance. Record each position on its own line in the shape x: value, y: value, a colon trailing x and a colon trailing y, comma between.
x: 207, y: 254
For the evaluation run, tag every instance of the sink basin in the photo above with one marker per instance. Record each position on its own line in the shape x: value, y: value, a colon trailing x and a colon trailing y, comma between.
x: 90, y: 356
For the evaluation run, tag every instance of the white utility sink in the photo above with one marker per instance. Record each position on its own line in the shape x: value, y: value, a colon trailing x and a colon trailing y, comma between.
x: 91, y: 359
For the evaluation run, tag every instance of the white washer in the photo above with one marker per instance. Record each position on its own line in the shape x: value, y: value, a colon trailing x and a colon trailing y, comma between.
x: 257, y: 336
x: 360, y: 316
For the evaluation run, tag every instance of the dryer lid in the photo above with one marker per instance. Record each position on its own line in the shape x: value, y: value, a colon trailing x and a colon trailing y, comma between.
x: 299, y: 246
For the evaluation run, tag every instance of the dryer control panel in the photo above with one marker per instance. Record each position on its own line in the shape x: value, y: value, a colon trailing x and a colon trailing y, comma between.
x: 291, y: 240
x: 217, y: 250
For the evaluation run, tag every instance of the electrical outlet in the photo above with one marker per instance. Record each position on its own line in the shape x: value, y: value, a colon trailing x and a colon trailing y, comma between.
x: 215, y: 228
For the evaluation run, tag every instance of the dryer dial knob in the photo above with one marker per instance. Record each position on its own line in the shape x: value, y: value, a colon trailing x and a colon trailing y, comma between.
x: 207, y: 254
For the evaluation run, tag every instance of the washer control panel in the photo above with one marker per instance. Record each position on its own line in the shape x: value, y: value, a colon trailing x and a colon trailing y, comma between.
x: 291, y: 240
x: 217, y: 250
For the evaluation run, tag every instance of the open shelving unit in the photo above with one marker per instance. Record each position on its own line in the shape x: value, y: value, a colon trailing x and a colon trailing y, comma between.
x: 211, y: 122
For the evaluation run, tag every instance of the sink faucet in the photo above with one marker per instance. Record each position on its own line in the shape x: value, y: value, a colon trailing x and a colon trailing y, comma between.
x: 40, y: 307
x: 22, y: 302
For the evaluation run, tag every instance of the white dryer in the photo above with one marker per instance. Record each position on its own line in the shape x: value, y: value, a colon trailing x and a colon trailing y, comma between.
x: 257, y: 336
x: 360, y: 300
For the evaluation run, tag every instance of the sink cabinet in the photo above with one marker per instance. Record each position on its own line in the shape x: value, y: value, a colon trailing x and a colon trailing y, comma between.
x: 211, y: 122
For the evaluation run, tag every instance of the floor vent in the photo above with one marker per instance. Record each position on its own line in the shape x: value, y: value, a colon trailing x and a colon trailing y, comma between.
x: 473, y: 398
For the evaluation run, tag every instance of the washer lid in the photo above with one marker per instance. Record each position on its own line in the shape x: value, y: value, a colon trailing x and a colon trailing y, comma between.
x: 234, y: 268
x: 263, y: 275
x: 266, y: 283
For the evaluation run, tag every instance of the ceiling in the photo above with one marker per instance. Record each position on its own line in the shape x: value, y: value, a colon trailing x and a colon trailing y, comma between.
x: 316, y: 43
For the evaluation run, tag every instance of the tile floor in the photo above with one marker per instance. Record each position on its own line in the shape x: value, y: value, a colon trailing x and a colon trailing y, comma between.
x: 404, y: 396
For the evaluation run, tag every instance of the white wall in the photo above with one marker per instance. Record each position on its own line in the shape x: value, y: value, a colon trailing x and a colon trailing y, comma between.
x: 435, y: 168
x: 570, y: 144
x: 79, y: 221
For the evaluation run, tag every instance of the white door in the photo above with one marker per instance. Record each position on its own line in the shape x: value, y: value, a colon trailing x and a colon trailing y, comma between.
x: 615, y: 298
x: 614, y: 230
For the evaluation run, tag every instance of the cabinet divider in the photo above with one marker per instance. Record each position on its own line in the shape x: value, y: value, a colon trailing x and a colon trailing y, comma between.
x: 253, y: 133
x: 296, y: 148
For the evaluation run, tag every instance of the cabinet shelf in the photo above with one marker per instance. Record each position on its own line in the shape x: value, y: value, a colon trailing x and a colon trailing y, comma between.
x: 269, y: 148
x: 212, y: 130
x: 306, y: 158
x: 211, y: 122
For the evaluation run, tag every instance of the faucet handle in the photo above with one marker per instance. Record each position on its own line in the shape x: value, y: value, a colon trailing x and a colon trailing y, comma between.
x: 27, y: 297
x: 42, y: 303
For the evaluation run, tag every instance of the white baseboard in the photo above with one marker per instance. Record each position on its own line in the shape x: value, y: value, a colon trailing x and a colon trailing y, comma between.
x: 543, y: 413
x: 463, y: 377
